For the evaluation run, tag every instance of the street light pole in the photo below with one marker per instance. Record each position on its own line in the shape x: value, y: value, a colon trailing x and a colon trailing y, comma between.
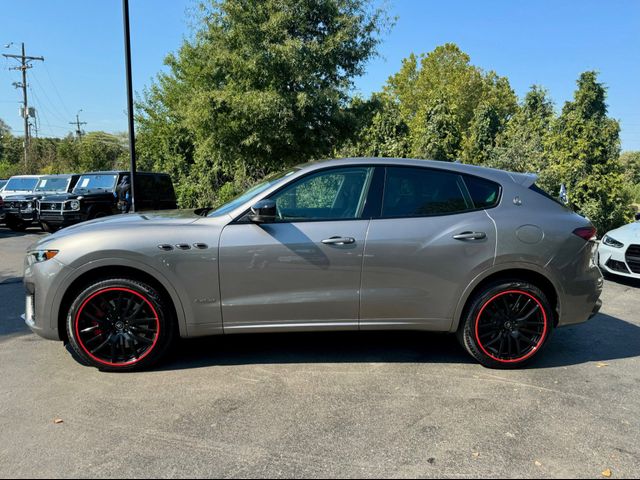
x: 132, y: 133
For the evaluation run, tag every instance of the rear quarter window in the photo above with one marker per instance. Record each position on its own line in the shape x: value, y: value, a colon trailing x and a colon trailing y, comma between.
x: 484, y: 193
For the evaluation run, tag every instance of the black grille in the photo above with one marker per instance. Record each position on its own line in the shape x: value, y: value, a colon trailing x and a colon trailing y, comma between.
x: 50, y: 207
x: 633, y: 258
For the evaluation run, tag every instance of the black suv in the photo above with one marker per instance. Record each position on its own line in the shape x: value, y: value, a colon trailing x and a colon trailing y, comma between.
x: 94, y: 196
x: 21, y: 211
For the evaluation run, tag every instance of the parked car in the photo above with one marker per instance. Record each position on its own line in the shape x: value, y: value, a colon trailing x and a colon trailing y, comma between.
x: 619, y: 251
x: 94, y: 197
x: 2, y: 214
x: 21, y: 210
x: 356, y: 244
x: 20, y: 185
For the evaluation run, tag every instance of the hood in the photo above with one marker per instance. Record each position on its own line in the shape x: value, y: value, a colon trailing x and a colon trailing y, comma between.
x: 627, y: 234
x: 168, y: 218
x: 20, y: 198
x: 61, y: 197
x: 12, y: 193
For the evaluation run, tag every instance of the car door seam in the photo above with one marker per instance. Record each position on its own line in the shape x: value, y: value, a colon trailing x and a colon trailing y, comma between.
x: 364, y: 252
x: 495, y: 231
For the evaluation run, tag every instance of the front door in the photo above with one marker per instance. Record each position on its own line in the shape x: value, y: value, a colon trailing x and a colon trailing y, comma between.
x: 302, y: 271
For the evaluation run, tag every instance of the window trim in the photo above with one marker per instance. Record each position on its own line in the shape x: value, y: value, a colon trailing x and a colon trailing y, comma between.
x: 242, y: 218
x: 460, y: 175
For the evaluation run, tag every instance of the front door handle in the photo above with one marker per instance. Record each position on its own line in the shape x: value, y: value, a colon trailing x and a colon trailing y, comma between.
x: 470, y: 236
x: 339, y: 240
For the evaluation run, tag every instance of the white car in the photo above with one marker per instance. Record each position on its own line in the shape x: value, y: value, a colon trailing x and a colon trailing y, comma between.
x: 619, y: 251
x: 20, y: 185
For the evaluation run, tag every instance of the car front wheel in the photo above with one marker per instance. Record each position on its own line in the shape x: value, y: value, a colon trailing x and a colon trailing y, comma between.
x: 507, y: 324
x: 120, y: 325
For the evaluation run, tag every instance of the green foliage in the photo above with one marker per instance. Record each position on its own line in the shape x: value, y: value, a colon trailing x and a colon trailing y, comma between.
x: 468, y: 106
x: 521, y: 147
x: 631, y: 164
x: 585, y: 145
x: 260, y: 85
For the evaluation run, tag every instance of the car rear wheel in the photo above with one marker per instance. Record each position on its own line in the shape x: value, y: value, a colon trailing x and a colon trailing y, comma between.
x: 506, y: 324
x: 120, y: 325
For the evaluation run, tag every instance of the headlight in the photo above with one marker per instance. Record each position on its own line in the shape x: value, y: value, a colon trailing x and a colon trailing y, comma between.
x: 612, y: 242
x: 74, y: 205
x: 37, y: 256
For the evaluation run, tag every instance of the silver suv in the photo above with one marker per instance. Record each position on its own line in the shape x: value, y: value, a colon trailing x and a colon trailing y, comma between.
x: 354, y: 244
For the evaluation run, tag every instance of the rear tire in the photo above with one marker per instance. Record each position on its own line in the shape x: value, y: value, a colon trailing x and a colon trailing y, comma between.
x: 120, y: 325
x: 16, y: 225
x: 506, y: 324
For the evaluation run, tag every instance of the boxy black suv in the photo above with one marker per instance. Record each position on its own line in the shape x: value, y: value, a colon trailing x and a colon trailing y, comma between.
x: 94, y: 196
x: 21, y: 210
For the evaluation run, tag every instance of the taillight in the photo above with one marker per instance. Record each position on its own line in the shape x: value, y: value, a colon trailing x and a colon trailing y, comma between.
x: 586, y: 233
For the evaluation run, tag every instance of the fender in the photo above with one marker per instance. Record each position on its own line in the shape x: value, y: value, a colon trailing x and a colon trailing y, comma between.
x: 87, y: 266
x: 502, y: 267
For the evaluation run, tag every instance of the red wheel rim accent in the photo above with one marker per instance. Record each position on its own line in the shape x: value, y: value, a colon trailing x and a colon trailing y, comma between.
x: 146, y: 303
x: 532, y: 349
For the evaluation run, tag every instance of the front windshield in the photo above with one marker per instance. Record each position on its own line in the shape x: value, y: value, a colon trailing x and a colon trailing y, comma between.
x: 252, y: 192
x: 95, y: 182
x: 58, y: 184
x: 21, y: 184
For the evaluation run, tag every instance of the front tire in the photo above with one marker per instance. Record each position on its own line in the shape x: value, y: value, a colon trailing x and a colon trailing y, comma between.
x: 119, y: 325
x: 506, y: 324
x: 16, y: 225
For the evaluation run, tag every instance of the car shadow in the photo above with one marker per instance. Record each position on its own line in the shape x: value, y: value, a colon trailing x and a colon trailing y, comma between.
x: 8, y: 233
x: 620, y: 280
x: 603, y: 338
x: 12, y: 294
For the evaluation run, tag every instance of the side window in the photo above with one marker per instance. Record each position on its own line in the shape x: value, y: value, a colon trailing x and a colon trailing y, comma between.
x: 145, y: 188
x: 415, y: 192
x: 327, y: 195
x: 165, y: 188
x: 484, y: 193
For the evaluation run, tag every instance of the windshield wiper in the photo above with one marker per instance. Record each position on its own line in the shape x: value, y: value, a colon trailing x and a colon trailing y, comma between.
x: 203, y: 211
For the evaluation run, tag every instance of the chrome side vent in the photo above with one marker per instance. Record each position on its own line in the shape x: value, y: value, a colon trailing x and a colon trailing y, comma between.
x: 166, y: 247
x: 201, y: 246
x: 183, y: 246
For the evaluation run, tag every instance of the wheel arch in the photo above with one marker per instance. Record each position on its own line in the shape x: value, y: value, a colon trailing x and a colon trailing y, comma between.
x: 531, y: 274
x: 100, y: 272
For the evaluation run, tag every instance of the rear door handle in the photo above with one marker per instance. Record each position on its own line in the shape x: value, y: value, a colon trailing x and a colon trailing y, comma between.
x: 470, y: 236
x: 338, y: 240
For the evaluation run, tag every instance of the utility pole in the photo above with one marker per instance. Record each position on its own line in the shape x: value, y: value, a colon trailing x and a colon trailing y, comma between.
x: 77, y: 123
x: 24, y: 66
x: 132, y: 132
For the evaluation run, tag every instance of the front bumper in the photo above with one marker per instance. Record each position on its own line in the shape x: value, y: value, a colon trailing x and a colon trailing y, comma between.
x: 613, y: 261
x: 42, y: 283
x: 61, y: 220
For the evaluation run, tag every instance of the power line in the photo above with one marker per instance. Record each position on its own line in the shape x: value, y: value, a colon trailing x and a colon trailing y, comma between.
x: 77, y: 123
x: 23, y: 67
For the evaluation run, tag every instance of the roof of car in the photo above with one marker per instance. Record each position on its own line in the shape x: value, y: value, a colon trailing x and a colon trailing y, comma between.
x: 490, y: 173
x: 60, y: 175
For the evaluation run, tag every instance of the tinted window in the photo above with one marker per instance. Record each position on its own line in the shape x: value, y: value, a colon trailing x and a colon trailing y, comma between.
x: 146, y: 186
x: 484, y: 193
x: 413, y: 192
x: 165, y: 188
x: 331, y: 194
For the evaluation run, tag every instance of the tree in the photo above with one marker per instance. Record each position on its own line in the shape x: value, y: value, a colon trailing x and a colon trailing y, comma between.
x: 631, y: 164
x: 261, y: 85
x: 585, y: 147
x: 382, y: 133
x: 481, y: 138
x: 439, y: 134
x: 521, y: 147
x: 445, y: 83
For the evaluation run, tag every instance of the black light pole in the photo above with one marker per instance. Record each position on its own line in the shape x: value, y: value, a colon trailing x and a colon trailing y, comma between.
x: 132, y: 133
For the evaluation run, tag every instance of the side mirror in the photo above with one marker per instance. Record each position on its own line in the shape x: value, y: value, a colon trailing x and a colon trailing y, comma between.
x: 638, y: 217
x: 264, y: 211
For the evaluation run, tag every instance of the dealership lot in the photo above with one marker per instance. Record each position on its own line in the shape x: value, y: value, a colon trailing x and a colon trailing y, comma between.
x: 343, y: 405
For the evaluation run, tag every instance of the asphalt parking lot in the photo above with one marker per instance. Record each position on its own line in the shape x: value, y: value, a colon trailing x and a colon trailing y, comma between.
x: 337, y: 405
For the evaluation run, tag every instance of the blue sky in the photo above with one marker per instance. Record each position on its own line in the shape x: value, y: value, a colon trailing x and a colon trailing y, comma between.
x: 542, y: 42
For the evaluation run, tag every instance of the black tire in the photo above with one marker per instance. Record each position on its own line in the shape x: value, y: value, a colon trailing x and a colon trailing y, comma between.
x: 120, y: 325
x: 47, y: 227
x: 16, y: 225
x: 492, y: 328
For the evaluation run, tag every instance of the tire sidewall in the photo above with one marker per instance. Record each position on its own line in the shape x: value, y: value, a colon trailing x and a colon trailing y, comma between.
x: 165, y: 319
x: 467, y: 332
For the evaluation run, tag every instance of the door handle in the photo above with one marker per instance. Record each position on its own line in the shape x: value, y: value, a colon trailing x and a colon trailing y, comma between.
x: 470, y: 236
x: 339, y: 240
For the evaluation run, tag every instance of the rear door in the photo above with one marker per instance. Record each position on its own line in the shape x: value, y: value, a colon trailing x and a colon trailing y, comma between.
x: 431, y: 239
x: 303, y: 271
